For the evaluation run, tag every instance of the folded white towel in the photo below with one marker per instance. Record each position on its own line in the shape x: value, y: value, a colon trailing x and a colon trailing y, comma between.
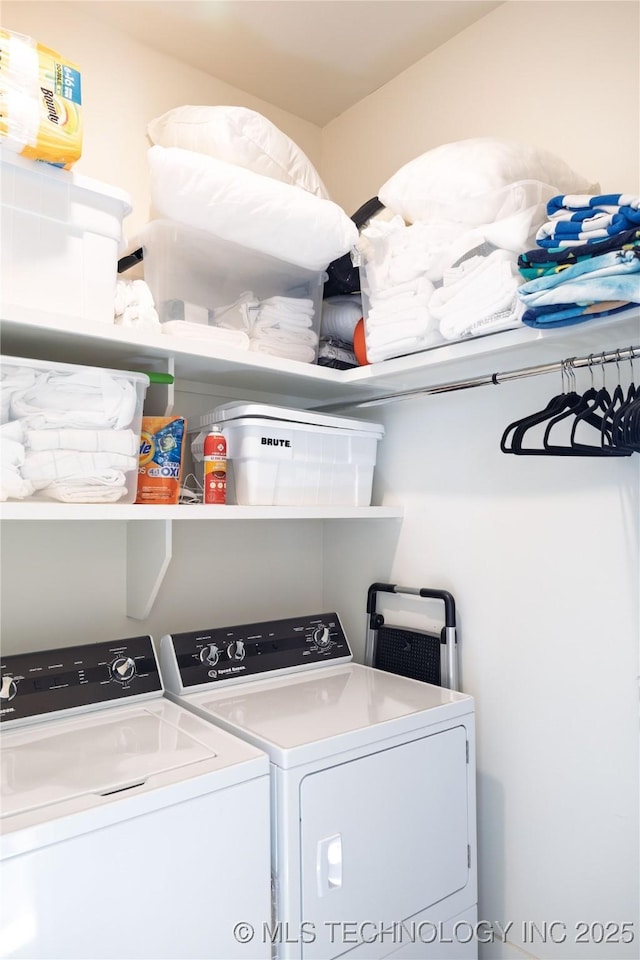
x: 108, y: 487
x: 141, y: 317
x: 283, y: 333
x: 134, y: 305
x: 130, y: 293
x: 397, y: 253
x: 12, y: 454
x: 479, y: 292
x: 507, y: 318
x: 13, y: 430
x: 417, y: 314
x: 13, y: 486
x: 273, y: 315
x: 45, y: 466
x: 207, y: 334
x: 413, y: 288
x: 289, y: 351
x: 293, y: 305
x: 98, y: 441
x: 401, y: 347
x: 87, y: 399
x: 13, y: 379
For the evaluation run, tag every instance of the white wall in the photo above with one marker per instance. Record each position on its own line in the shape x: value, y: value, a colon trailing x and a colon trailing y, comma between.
x: 541, y: 554
x: 125, y: 85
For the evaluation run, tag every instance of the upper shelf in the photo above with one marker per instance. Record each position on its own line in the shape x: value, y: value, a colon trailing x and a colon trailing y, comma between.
x: 47, y: 337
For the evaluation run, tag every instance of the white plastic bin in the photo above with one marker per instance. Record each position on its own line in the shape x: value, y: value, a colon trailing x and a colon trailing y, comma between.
x: 285, y: 457
x: 69, y: 433
x: 59, y: 235
x: 191, y: 274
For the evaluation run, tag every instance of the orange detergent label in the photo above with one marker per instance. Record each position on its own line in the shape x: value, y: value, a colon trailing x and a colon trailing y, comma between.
x: 160, y: 461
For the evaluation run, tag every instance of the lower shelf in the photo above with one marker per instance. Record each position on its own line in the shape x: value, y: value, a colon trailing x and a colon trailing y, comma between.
x: 199, y: 511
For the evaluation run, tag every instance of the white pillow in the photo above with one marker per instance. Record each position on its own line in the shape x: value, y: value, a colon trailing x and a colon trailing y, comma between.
x: 241, y: 136
x: 464, y: 180
x: 248, y: 209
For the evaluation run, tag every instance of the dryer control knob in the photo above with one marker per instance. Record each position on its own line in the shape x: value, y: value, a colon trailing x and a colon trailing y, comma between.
x: 236, y: 650
x: 210, y: 654
x: 8, y: 688
x: 123, y: 669
x: 321, y: 636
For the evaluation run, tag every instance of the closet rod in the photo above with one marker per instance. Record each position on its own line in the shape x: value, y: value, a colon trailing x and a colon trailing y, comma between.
x: 594, y: 359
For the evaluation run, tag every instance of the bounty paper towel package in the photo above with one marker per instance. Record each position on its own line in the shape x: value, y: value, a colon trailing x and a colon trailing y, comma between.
x: 40, y: 101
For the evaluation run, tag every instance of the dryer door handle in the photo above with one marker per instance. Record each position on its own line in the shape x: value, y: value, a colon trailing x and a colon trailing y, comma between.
x: 329, y: 864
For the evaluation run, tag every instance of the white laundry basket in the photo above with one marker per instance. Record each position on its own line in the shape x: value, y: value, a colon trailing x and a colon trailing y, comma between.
x: 285, y: 457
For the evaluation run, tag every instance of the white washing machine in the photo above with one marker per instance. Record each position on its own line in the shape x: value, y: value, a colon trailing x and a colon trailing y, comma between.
x: 372, y: 781
x: 129, y: 827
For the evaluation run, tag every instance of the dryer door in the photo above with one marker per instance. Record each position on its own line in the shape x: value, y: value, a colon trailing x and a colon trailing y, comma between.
x: 382, y: 838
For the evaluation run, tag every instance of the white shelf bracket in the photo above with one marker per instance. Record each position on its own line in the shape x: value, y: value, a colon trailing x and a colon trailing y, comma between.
x: 149, y: 549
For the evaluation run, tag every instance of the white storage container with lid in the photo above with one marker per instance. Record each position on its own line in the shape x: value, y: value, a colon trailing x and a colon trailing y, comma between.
x: 60, y: 234
x: 69, y: 433
x: 286, y: 457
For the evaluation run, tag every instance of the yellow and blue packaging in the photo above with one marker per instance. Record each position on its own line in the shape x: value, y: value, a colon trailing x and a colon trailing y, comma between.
x: 40, y: 101
x: 160, y: 461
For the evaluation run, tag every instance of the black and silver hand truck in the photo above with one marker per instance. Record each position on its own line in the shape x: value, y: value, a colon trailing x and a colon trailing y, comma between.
x: 417, y: 654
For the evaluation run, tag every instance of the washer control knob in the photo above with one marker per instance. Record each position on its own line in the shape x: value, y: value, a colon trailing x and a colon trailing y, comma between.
x: 236, y: 650
x: 321, y: 636
x: 123, y: 669
x: 210, y: 654
x: 8, y: 688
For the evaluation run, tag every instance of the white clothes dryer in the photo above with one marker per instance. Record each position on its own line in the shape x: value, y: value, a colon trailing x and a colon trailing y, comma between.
x: 372, y: 780
x: 129, y: 828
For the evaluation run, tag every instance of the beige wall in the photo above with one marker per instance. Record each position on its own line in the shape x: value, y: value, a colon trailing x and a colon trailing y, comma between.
x: 125, y: 85
x: 562, y: 75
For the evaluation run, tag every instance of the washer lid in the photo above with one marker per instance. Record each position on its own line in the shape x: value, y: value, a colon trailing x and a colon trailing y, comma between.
x: 320, y: 713
x: 96, y: 756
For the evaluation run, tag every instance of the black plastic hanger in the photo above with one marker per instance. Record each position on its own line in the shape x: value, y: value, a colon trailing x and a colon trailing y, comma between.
x: 568, y: 402
x: 602, y: 401
x: 624, y: 414
x: 519, y: 427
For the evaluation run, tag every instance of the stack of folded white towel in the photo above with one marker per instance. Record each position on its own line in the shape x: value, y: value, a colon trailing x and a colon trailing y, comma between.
x: 66, y: 436
x: 134, y: 305
x: 280, y: 326
x: 478, y: 294
x: 428, y: 283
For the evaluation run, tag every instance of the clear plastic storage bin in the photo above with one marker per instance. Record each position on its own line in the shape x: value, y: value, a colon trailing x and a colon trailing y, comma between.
x: 69, y: 433
x: 193, y: 275
x: 285, y: 457
x: 59, y: 240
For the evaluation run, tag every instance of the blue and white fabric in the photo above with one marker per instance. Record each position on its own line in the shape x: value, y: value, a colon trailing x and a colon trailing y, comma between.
x: 612, y: 276
x: 582, y: 218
